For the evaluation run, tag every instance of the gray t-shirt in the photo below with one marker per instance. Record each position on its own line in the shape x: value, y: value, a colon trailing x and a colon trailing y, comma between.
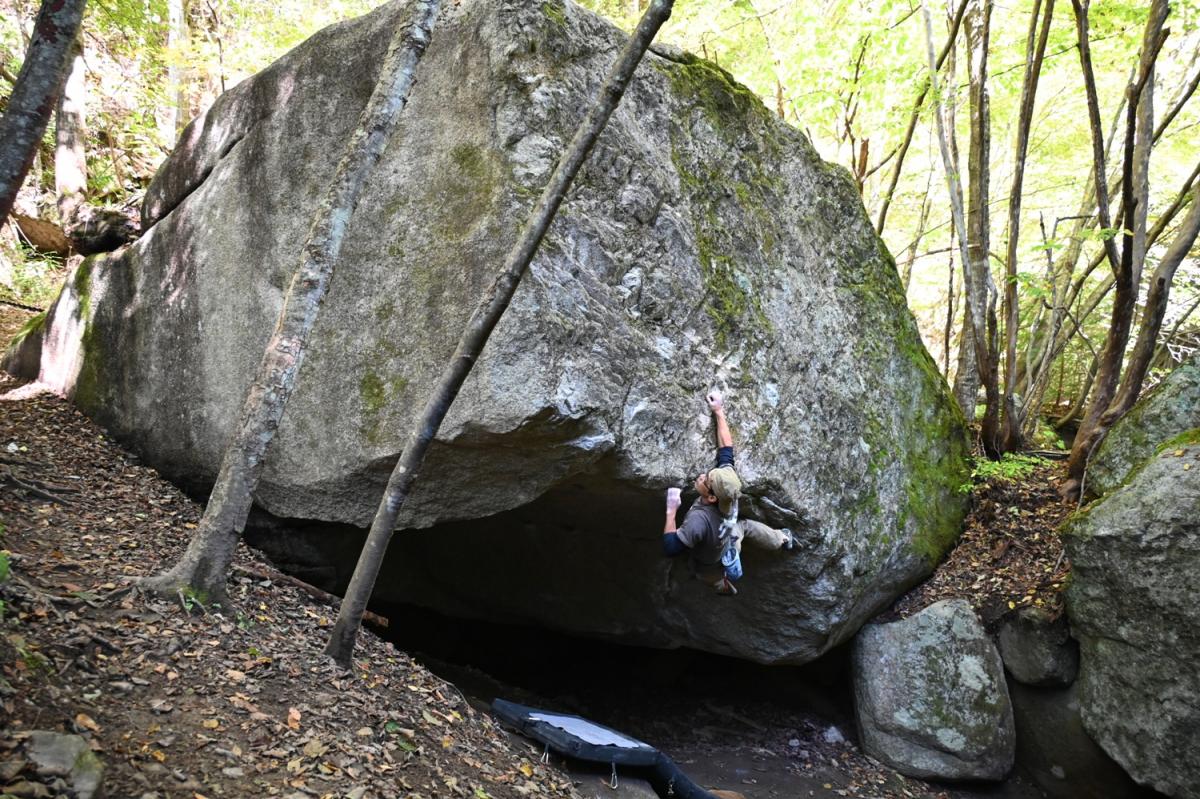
x: 700, y: 532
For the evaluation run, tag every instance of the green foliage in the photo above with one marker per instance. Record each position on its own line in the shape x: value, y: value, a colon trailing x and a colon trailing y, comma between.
x: 1010, y: 468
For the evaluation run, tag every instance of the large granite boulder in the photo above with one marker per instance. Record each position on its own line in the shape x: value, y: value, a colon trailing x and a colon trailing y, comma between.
x: 705, y: 243
x: 1171, y: 408
x: 1134, y: 607
x: 930, y: 696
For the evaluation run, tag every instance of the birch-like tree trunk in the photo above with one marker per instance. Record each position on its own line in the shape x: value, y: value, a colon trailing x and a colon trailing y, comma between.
x: 1035, y: 49
x: 70, y: 157
x: 953, y: 187
x: 1091, y: 431
x: 204, y: 567
x: 33, y: 97
x: 479, y: 328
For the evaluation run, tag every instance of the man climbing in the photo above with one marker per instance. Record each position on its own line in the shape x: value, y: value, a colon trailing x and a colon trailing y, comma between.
x: 711, y: 530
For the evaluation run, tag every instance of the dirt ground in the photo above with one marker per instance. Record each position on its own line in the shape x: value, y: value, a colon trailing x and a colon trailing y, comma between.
x: 178, y: 702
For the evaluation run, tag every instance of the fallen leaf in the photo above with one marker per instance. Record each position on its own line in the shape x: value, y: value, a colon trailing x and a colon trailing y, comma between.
x: 293, y: 719
x: 87, y: 722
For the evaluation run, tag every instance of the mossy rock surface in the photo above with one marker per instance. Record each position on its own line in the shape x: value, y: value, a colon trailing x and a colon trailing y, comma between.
x: 704, y: 243
x: 1134, y: 607
x: 930, y: 696
x: 1171, y: 408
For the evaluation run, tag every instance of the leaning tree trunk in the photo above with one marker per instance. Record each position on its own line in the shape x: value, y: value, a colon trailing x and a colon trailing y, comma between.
x: 1152, y: 316
x: 33, y: 96
x: 478, y: 329
x: 204, y: 567
x: 1125, y: 297
x: 70, y: 158
x: 1035, y: 49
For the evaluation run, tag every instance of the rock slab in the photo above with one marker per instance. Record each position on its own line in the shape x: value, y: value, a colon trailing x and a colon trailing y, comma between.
x: 1134, y: 607
x: 930, y: 696
x: 704, y: 243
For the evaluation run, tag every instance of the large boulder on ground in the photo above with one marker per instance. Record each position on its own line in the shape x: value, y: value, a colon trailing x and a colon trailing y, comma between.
x: 1037, y: 648
x: 704, y: 243
x: 930, y: 696
x: 1171, y: 408
x: 1134, y: 607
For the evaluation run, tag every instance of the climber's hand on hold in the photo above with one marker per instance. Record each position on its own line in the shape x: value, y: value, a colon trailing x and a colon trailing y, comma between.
x: 673, y: 500
x: 716, y: 403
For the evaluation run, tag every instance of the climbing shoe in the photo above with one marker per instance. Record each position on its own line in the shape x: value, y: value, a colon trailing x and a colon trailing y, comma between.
x: 789, y: 541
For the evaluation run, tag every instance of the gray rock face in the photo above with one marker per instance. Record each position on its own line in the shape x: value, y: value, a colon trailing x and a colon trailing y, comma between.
x: 1172, y: 408
x: 1054, y: 749
x: 704, y: 243
x: 1134, y: 607
x: 930, y: 696
x: 56, y: 755
x: 1038, y: 650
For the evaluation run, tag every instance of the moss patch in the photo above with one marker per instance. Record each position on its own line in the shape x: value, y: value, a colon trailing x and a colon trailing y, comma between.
x: 463, y: 192
x: 376, y: 393
x: 556, y: 12
x: 735, y: 201
x: 1186, y: 438
x: 33, y: 327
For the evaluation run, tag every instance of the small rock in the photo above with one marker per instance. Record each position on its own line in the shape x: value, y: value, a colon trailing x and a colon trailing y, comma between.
x: 233, y: 772
x: 357, y: 793
x: 1058, y: 771
x: 121, y: 686
x: 57, y: 755
x: 9, y: 770
x: 834, y: 736
x: 794, y: 743
x: 28, y: 790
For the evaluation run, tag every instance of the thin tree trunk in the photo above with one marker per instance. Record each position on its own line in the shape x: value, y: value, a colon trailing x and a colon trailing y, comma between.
x: 1081, y: 399
x: 1100, y: 168
x: 1162, y: 350
x: 1112, y: 356
x: 980, y: 289
x: 915, y: 114
x: 70, y: 160
x: 38, y: 84
x: 949, y: 331
x: 479, y: 328
x: 1152, y: 317
x: 1035, y: 49
x: 204, y: 567
x: 175, y: 116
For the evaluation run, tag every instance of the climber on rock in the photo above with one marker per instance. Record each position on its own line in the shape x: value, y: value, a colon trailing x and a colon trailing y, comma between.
x: 711, y: 530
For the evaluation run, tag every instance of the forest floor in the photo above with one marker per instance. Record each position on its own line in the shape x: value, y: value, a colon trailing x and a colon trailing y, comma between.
x: 180, y: 703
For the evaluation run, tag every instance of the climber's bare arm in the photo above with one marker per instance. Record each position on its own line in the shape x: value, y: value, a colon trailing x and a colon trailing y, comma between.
x: 716, y: 404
